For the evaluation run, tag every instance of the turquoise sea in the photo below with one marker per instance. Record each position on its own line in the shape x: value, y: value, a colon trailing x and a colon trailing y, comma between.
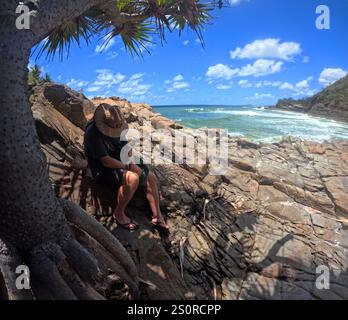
x: 256, y: 123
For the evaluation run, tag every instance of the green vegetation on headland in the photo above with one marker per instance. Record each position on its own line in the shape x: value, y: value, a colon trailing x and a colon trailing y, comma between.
x: 35, y: 76
x: 332, y: 102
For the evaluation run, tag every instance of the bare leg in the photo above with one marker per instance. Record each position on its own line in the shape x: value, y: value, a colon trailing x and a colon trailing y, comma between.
x: 125, y: 195
x: 153, y: 196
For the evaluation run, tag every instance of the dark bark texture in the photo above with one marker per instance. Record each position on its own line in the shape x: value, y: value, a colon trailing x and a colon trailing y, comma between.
x: 30, y: 212
x: 33, y: 222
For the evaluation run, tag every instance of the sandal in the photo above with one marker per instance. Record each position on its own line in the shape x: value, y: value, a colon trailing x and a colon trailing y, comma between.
x: 161, y: 226
x: 130, y: 226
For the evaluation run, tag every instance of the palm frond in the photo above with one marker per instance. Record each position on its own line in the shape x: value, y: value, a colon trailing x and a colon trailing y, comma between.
x: 60, y: 39
x: 46, y: 78
x: 135, y: 21
x: 135, y: 36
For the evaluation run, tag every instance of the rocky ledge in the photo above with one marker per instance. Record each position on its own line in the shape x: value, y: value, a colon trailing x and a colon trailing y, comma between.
x: 259, y: 232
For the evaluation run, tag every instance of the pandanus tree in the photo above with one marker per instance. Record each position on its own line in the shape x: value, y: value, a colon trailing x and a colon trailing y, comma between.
x: 36, y: 228
x: 35, y: 76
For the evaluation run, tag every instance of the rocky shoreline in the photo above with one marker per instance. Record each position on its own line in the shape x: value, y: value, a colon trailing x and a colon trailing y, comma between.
x: 258, y: 232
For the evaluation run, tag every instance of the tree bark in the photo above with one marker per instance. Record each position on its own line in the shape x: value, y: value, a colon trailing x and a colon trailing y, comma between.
x: 9, y: 261
x: 32, y: 218
x: 46, y: 15
x: 30, y: 212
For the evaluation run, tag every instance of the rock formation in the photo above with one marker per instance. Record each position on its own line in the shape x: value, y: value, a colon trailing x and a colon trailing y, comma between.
x: 332, y: 102
x: 258, y: 232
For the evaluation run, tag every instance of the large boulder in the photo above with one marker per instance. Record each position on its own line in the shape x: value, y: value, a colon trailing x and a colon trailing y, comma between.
x: 73, y: 105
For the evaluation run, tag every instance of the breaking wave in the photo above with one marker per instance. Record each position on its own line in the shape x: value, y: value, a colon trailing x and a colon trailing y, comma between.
x: 257, y: 123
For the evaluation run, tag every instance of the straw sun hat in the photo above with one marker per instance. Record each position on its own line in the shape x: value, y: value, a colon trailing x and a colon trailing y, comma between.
x: 110, y: 120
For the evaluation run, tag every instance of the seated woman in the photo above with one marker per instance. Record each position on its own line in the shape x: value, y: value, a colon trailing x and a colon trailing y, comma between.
x: 103, y: 148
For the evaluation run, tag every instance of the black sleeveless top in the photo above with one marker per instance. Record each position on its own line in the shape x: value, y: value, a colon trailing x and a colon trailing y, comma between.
x: 98, y: 146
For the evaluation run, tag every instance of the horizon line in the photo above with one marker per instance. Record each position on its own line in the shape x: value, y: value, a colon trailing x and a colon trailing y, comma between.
x: 208, y: 105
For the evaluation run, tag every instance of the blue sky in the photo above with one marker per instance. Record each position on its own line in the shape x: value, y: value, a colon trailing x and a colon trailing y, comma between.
x: 256, y: 52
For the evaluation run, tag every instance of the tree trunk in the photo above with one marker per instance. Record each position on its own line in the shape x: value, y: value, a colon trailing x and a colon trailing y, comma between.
x: 30, y: 212
x: 32, y: 218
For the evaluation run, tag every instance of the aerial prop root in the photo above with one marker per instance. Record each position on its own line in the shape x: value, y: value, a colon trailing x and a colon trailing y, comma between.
x: 56, y: 278
x: 9, y: 261
x: 107, y: 250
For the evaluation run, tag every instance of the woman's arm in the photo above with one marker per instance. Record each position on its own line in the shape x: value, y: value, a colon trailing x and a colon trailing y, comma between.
x: 112, y: 163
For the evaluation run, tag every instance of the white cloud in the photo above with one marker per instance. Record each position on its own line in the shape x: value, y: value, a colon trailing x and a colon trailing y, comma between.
x: 267, y: 48
x: 134, y: 86
x: 111, y: 55
x: 286, y: 86
x: 106, y: 78
x: 198, y: 41
x: 137, y: 76
x: 331, y: 75
x: 177, y: 83
x: 245, y: 84
x: 106, y: 45
x: 301, y: 88
x: 267, y: 83
x: 179, y: 77
x: 221, y: 71
x: 261, y: 67
x: 276, y: 83
x: 302, y: 85
x: 235, y: 2
x: 186, y: 42
x: 223, y: 86
x: 93, y: 89
x: 259, y: 96
x: 305, y: 59
x: 75, y: 83
x: 180, y: 85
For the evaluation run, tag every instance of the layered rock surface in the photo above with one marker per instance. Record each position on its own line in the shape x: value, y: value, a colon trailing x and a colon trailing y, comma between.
x: 258, y: 232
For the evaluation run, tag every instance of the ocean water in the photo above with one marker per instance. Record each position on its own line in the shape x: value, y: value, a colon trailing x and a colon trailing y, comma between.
x: 257, y: 123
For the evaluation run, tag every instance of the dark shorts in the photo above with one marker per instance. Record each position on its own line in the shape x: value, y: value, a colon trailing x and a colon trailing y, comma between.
x: 114, y: 178
x: 111, y: 178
